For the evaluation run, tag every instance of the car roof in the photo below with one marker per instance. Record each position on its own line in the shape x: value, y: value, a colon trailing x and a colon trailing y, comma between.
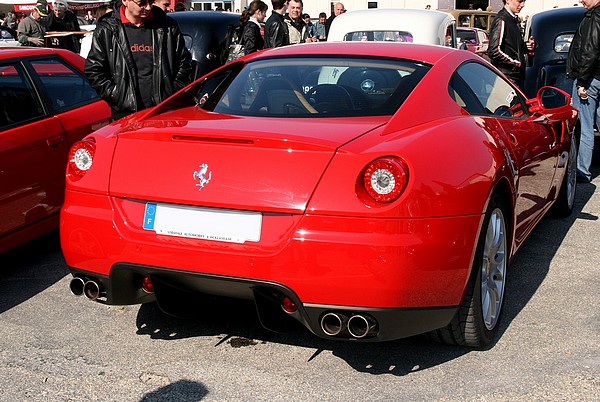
x: 456, y: 13
x: 18, y: 52
x: 426, y: 26
x: 423, y: 53
x: 566, y: 18
x: 194, y: 16
x: 11, y: 52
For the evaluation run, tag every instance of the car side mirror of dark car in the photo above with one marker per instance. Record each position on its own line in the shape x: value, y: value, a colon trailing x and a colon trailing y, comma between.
x: 548, y: 98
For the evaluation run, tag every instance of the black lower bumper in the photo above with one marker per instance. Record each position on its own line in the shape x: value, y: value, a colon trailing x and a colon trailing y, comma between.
x: 179, y: 292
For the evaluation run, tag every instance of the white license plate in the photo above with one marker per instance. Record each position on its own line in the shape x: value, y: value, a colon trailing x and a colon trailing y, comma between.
x: 203, y: 223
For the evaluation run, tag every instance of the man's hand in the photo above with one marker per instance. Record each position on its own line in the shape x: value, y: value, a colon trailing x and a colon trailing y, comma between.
x: 36, y: 41
x: 531, y: 43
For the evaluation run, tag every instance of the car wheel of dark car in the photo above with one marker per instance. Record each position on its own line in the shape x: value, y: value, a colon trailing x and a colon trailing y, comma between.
x: 566, y: 197
x: 476, y: 323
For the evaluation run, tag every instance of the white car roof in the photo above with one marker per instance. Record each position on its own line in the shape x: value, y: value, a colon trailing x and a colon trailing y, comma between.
x: 425, y: 26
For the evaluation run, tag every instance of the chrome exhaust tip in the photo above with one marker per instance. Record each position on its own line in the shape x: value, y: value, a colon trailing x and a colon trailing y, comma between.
x: 361, y: 326
x: 76, y: 286
x: 92, y: 289
x: 333, y: 324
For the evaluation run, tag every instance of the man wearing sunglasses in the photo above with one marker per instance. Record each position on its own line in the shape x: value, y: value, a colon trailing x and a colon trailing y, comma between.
x: 138, y: 57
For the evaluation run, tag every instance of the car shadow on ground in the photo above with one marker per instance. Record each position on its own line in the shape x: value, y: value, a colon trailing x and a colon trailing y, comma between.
x: 182, y: 390
x: 22, y: 274
x: 239, y: 322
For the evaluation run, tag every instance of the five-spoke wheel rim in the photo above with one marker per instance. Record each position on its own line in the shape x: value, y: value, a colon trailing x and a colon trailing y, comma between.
x: 493, y: 269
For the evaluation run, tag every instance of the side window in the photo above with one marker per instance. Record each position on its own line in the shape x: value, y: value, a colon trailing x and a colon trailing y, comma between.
x: 208, y: 86
x: 65, y: 87
x: 18, y: 101
x: 464, y: 20
x: 464, y: 96
x: 497, y: 96
x: 451, y: 35
x: 562, y: 43
x: 481, y: 22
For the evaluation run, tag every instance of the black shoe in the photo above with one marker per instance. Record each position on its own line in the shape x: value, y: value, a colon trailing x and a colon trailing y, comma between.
x: 582, y: 179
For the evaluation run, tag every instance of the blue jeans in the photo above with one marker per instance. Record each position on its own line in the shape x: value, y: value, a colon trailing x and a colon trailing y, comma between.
x: 588, y: 109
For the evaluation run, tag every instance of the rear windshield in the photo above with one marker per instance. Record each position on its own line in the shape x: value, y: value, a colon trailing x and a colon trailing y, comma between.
x: 315, y: 87
x: 466, y: 36
x: 379, y: 36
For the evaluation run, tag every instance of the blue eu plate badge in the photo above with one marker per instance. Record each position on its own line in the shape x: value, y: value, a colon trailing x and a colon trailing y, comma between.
x: 149, y: 216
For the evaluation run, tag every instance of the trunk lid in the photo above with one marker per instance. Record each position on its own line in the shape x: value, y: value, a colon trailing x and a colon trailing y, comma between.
x: 248, y: 163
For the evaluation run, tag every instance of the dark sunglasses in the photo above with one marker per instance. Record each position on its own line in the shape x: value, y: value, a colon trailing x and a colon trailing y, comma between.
x: 143, y: 3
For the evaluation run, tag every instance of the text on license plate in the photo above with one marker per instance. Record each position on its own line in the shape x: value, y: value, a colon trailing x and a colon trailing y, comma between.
x: 203, y: 223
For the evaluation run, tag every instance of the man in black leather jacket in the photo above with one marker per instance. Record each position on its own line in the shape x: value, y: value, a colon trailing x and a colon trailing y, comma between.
x: 276, y: 30
x: 506, y: 48
x: 583, y: 66
x: 138, y: 58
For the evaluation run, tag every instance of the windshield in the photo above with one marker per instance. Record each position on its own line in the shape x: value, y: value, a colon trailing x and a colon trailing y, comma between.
x: 315, y: 87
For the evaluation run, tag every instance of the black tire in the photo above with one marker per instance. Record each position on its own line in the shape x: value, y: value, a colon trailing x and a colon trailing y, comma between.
x: 563, y: 206
x: 476, y: 325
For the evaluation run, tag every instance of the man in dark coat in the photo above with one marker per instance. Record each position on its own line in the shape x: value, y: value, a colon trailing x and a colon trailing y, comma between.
x: 138, y: 57
x: 583, y: 66
x: 507, y: 48
x: 276, y: 30
x: 338, y: 9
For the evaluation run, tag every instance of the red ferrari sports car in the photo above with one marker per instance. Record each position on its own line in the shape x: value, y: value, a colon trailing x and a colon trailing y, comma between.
x: 370, y: 191
x: 46, y: 105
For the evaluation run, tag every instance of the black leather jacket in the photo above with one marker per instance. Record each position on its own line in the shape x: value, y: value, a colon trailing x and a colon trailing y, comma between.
x: 584, y: 54
x: 507, y: 48
x: 276, y: 31
x: 111, y: 69
x: 251, y: 38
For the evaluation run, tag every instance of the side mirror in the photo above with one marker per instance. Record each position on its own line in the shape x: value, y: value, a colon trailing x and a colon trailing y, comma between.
x: 549, y: 98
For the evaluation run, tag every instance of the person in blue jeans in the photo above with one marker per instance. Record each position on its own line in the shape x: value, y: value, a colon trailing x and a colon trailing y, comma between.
x: 583, y: 65
x: 586, y: 101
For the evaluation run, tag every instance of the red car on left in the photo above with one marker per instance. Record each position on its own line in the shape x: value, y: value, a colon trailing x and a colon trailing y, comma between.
x: 46, y: 105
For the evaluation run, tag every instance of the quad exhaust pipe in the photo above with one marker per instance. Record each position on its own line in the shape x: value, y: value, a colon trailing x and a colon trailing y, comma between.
x: 357, y: 326
x: 90, y: 288
x: 362, y: 326
x: 334, y: 324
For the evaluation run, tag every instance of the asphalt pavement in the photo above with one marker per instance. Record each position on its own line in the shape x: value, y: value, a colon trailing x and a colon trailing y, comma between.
x: 57, y: 347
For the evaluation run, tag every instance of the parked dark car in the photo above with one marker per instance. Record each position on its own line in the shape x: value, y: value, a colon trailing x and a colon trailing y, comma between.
x: 204, y: 33
x: 553, y: 31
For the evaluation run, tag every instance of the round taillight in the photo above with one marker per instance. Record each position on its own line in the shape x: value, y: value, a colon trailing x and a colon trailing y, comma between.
x: 147, y: 285
x: 81, y: 157
x: 288, y: 305
x: 385, y: 179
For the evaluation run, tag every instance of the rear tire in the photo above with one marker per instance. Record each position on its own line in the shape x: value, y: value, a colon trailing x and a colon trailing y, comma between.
x: 565, y: 201
x: 476, y: 322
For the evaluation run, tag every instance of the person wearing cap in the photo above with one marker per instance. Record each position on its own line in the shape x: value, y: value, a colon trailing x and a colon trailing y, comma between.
x: 138, y: 57
x: 61, y: 19
x: 30, y: 31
